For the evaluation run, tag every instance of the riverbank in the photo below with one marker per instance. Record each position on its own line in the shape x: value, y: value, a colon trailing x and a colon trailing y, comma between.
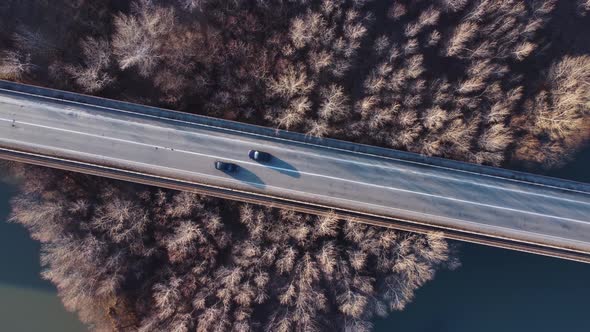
x: 502, y: 290
x: 499, y: 290
x: 27, y: 302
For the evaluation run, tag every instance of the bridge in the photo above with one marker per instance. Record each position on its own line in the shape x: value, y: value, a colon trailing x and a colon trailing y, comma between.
x: 373, y: 185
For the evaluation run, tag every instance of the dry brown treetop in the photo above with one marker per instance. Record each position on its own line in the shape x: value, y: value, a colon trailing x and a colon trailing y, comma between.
x: 130, y: 257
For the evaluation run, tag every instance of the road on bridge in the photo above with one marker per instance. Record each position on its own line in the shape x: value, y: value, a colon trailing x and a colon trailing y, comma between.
x: 304, y: 172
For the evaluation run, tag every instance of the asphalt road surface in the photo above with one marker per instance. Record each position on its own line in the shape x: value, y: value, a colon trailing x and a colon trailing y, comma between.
x: 303, y: 172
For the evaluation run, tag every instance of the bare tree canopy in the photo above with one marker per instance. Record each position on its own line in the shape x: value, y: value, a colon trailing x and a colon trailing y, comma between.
x: 130, y: 257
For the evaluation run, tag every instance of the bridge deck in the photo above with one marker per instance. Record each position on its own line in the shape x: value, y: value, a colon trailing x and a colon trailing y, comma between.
x: 470, y: 200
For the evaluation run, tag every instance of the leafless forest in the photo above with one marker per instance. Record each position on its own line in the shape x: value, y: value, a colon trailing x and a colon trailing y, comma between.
x: 127, y: 257
x: 498, y: 82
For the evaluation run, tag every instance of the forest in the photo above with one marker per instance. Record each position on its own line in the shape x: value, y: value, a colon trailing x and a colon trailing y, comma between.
x: 495, y: 82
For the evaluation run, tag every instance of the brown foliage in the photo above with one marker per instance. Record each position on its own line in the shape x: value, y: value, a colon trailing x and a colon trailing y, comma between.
x: 93, y: 76
x: 557, y: 119
x: 14, y: 65
x: 140, y: 38
x: 464, y: 118
x: 129, y: 257
x: 296, y: 65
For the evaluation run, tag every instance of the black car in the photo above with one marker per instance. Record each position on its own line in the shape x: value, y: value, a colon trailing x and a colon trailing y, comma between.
x: 259, y: 155
x: 226, y: 167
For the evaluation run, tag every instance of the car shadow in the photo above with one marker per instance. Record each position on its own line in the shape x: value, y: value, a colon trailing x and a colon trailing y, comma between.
x: 248, y: 177
x: 284, y: 167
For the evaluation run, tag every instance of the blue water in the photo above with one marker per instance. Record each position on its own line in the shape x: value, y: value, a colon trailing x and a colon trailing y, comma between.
x: 499, y: 290
x: 27, y: 302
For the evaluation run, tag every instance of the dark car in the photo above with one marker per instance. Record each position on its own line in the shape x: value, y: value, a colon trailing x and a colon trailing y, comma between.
x: 225, y: 167
x: 259, y: 155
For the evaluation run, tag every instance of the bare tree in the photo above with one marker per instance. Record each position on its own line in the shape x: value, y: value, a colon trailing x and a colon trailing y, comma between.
x: 291, y: 83
x: 584, y: 6
x: 454, y: 5
x: 14, y: 65
x: 140, y: 37
x: 465, y: 32
x: 561, y: 113
x: 176, y: 248
x: 33, y: 42
x: 524, y: 50
x: 93, y: 76
x: 334, y: 105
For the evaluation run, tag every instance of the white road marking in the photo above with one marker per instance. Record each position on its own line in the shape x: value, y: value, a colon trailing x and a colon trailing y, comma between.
x: 398, y: 169
x: 137, y: 114
x: 477, y: 224
x: 309, y: 174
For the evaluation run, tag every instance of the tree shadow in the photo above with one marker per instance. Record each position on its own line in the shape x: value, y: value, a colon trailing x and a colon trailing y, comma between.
x: 284, y: 167
x: 248, y: 177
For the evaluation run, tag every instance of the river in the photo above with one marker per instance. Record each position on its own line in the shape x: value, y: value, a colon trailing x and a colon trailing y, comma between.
x: 501, y: 290
x: 27, y: 302
x: 494, y: 289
